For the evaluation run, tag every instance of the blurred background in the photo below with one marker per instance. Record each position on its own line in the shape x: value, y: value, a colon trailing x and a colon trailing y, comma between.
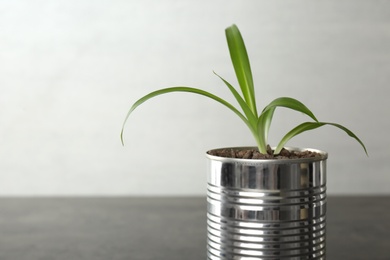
x: 70, y: 70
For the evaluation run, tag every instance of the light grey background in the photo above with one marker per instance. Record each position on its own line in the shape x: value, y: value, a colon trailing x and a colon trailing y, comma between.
x: 69, y: 71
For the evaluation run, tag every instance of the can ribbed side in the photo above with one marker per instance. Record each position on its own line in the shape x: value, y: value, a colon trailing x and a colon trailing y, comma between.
x: 266, y: 211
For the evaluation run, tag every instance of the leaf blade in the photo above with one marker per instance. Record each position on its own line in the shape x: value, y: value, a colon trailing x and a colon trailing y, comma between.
x: 264, y: 123
x: 180, y: 89
x: 244, y: 106
x: 306, y: 126
x: 241, y: 64
x: 252, y: 119
x: 265, y: 118
x: 290, y: 103
x: 350, y: 133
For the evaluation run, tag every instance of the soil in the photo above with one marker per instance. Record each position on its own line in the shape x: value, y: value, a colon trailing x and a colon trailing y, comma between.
x: 255, y: 154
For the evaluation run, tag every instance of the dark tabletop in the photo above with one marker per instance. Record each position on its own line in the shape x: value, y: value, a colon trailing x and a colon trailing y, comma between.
x: 163, y: 228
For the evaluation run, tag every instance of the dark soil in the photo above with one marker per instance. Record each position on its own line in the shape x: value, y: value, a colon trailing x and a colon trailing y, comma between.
x: 255, y: 154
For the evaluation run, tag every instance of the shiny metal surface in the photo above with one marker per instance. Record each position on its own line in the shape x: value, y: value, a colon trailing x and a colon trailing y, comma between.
x: 266, y: 209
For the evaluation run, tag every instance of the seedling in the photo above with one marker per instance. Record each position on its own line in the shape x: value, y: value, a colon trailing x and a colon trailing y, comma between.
x: 258, y: 124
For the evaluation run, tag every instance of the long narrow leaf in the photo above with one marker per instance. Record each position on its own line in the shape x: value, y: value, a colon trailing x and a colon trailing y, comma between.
x: 310, y: 126
x: 265, y: 119
x: 244, y: 106
x: 350, y: 133
x: 252, y: 119
x: 182, y: 89
x: 292, y: 104
x: 295, y: 131
x: 240, y: 60
x: 264, y: 123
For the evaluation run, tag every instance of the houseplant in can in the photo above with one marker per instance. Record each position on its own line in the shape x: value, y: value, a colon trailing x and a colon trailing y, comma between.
x: 263, y: 202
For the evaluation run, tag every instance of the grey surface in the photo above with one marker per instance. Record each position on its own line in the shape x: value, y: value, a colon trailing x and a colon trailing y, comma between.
x: 162, y: 228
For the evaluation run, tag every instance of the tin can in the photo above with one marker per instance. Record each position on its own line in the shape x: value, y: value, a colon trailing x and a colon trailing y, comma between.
x: 266, y: 209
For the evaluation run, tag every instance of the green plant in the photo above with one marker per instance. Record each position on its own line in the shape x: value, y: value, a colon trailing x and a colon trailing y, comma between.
x: 258, y: 124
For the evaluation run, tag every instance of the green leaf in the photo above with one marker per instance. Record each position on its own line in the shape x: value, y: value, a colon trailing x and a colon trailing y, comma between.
x: 245, y: 108
x: 182, y: 89
x: 264, y: 123
x: 265, y: 119
x: 240, y: 60
x: 292, y: 104
x: 350, y: 133
x: 252, y: 119
x: 295, y: 131
x: 310, y: 126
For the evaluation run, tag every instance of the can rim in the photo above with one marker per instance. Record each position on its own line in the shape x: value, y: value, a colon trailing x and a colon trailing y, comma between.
x: 323, y: 156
